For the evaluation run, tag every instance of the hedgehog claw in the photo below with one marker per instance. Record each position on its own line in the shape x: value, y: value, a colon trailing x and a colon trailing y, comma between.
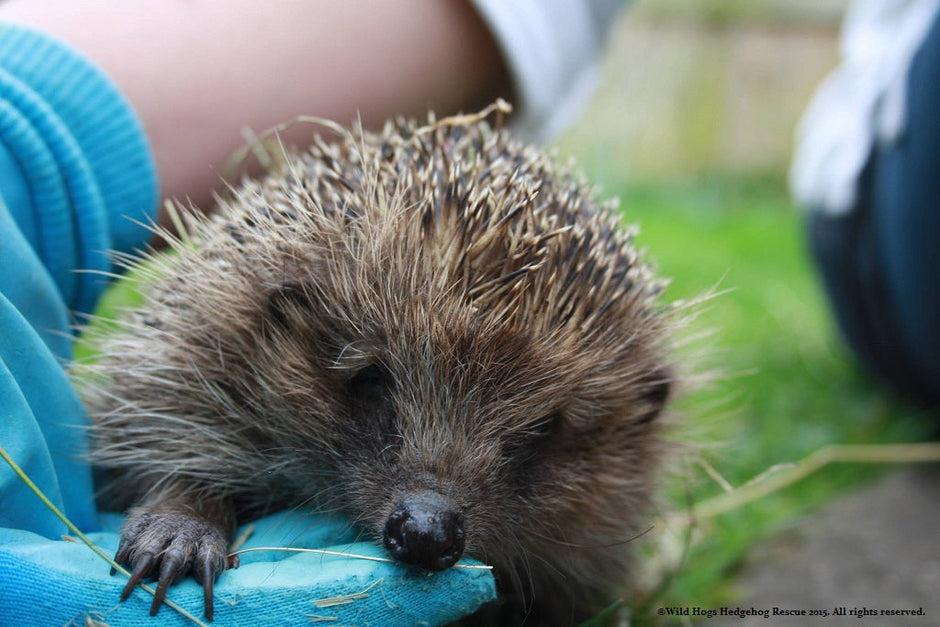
x: 169, y: 546
x: 205, y: 571
x: 158, y: 597
x: 141, y: 569
x: 208, y: 602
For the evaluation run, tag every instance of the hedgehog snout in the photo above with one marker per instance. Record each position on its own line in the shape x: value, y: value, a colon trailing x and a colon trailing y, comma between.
x: 425, y: 529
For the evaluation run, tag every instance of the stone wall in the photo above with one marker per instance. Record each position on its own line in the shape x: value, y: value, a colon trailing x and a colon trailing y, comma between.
x: 689, y: 92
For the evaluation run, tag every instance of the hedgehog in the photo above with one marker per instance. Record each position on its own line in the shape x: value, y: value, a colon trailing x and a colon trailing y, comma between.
x: 435, y: 329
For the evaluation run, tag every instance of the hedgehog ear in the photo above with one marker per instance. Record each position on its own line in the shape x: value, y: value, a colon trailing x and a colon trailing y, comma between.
x: 655, y: 389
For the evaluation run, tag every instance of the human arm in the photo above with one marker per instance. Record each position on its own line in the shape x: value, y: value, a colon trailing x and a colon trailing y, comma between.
x: 197, y: 73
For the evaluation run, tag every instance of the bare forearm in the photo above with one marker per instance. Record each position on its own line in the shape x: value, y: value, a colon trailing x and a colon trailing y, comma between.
x: 197, y: 72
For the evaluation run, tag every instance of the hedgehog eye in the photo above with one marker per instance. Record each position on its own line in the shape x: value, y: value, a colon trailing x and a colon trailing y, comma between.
x: 654, y: 397
x: 371, y: 384
x: 370, y: 401
x: 537, y: 433
x: 525, y: 447
x: 548, y: 426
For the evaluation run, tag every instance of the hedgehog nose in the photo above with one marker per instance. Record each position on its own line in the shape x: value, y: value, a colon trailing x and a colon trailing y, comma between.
x: 425, y: 530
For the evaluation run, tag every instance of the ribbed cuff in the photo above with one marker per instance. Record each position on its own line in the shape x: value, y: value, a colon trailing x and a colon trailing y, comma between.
x: 71, y: 117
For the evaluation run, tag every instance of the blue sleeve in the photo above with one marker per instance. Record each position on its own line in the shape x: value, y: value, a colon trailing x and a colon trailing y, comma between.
x: 77, y: 179
x: 78, y: 175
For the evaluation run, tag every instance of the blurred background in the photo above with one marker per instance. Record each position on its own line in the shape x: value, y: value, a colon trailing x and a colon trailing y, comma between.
x: 694, y: 87
x: 692, y: 127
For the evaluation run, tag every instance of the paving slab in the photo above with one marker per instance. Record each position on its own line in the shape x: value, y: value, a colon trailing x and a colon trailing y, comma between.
x: 876, y: 550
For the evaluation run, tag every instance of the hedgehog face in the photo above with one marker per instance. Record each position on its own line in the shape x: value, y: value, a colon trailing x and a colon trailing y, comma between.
x: 518, y: 440
x: 530, y: 450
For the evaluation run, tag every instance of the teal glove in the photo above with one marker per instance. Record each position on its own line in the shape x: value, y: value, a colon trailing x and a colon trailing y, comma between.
x: 60, y: 582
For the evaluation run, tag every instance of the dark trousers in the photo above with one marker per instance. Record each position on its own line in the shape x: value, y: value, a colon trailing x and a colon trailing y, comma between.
x: 881, y: 263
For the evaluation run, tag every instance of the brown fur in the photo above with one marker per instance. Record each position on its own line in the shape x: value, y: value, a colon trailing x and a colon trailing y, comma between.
x: 434, y: 307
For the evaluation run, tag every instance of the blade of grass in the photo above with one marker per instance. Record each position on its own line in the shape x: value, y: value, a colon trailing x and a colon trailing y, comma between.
x: 773, y: 480
x: 81, y: 536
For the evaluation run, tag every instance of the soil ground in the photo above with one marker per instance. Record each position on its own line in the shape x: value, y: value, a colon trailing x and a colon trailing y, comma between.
x: 878, y: 549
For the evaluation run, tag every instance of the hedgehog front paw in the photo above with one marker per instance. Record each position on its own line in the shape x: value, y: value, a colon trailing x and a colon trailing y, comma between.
x: 166, y: 546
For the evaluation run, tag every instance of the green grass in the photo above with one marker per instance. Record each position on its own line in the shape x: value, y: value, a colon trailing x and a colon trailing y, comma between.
x: 787, y: 387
